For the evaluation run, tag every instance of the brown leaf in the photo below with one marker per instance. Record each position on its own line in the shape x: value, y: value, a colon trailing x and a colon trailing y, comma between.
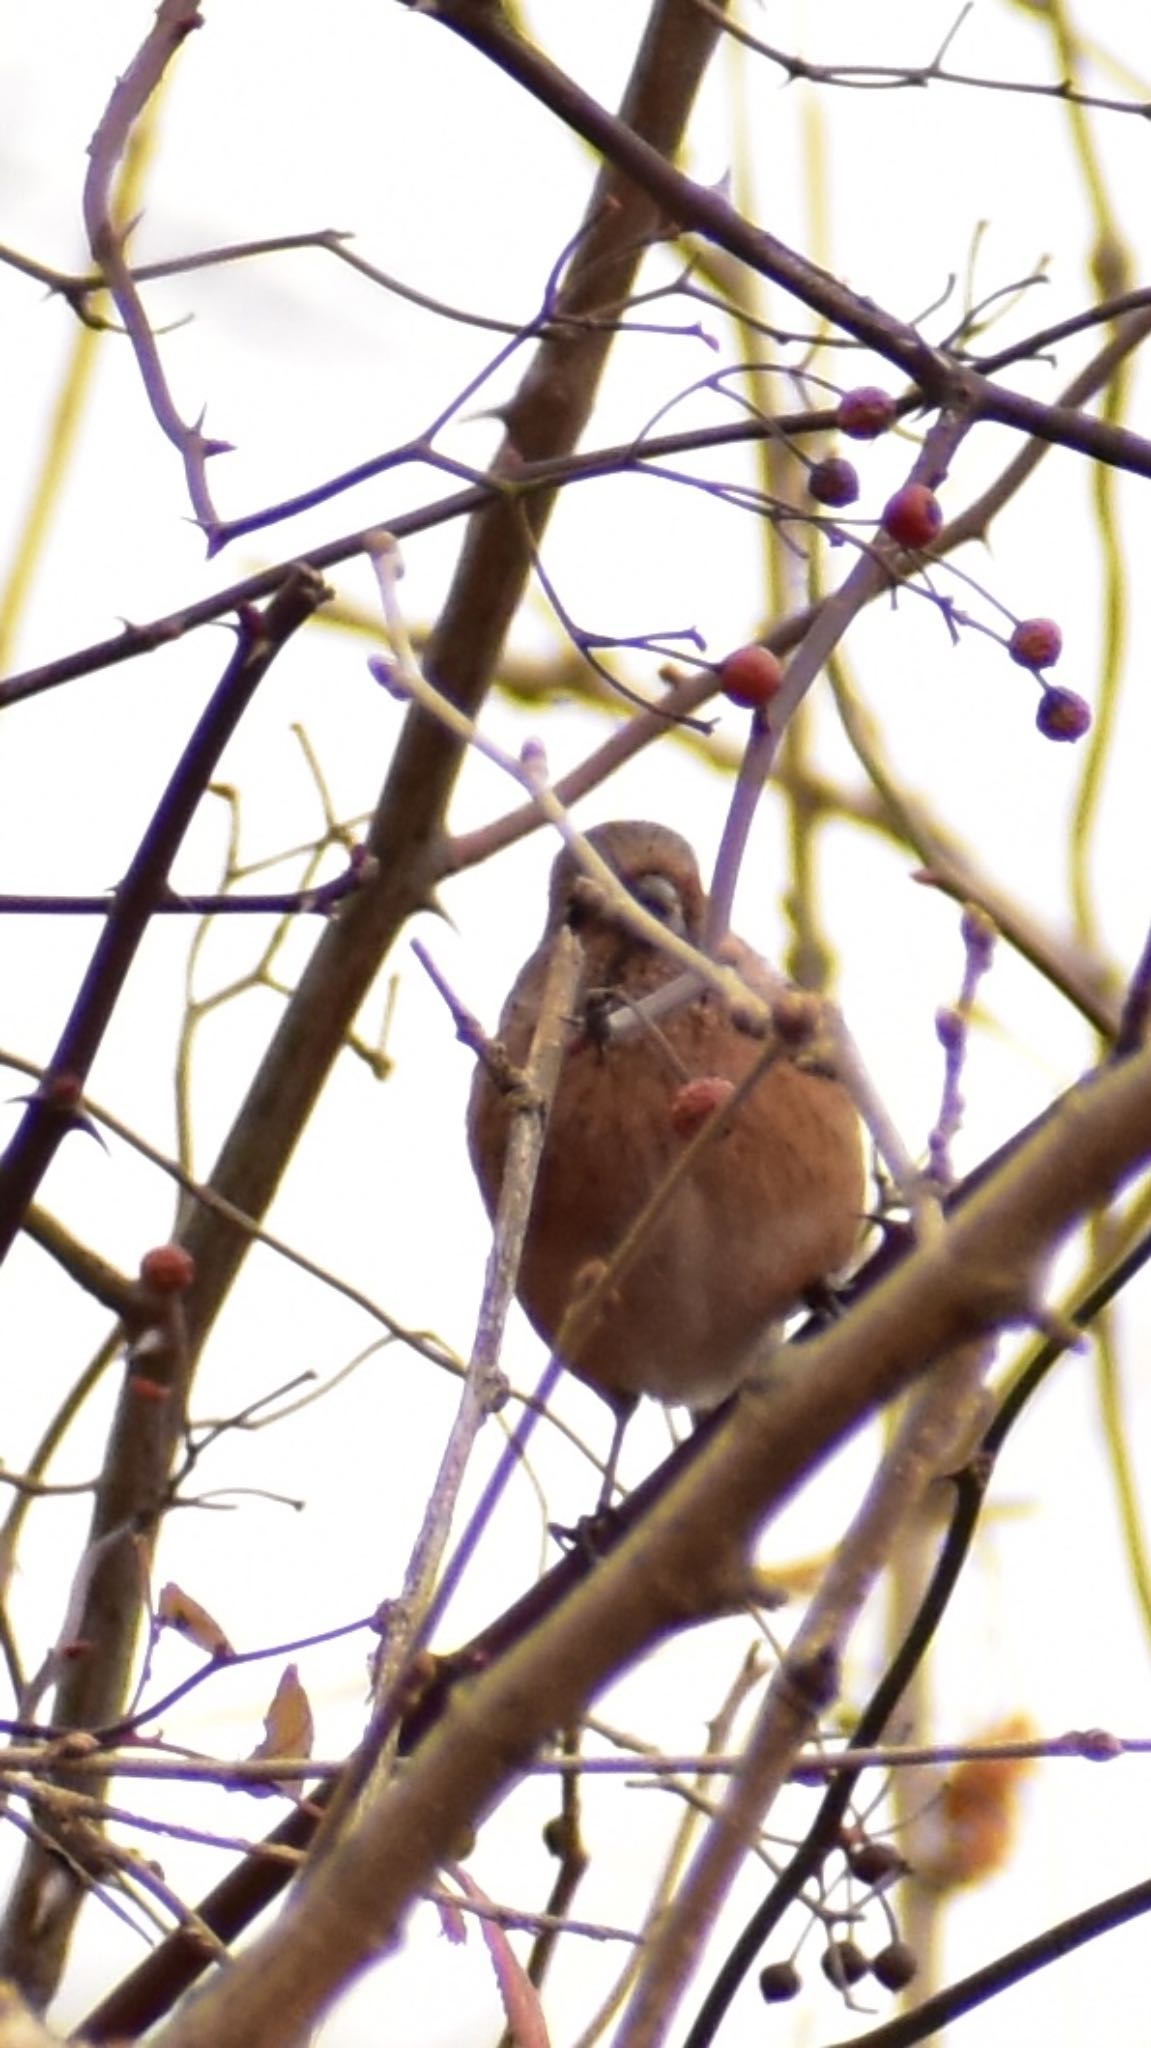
x: 177, y: 1609
x: 288, y: 1726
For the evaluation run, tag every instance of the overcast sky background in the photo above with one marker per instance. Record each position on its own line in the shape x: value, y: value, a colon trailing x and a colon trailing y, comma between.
x: 379, y: 122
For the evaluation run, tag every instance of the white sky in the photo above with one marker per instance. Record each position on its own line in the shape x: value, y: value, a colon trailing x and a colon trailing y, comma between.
x: 379, y: 122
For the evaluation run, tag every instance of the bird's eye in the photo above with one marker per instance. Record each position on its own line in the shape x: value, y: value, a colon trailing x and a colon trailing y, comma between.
x: 658, y: 893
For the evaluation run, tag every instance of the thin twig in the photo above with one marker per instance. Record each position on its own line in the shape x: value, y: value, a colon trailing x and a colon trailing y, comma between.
x: 175, y: 20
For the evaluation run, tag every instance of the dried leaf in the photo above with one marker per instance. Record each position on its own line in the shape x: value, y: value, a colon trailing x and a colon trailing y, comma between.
x: 177, y: 1609
x: 288, y: 1726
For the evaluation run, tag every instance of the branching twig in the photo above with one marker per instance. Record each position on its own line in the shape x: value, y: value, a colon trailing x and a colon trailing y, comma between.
x: 977, y: 1274
x: 175, y: 20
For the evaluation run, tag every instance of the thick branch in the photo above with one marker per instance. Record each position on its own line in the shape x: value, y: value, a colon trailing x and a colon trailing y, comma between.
x: 51, y: 1112
x: 544, y: 420
x: 979, y: 1273
x: 146, y: 1430
x: 706, y: 211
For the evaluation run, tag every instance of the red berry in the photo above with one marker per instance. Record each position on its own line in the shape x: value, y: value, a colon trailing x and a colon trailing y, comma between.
x: 168, y: 1268
x: 913, y: 516
x: 751, y: 676
x: 779, y: 1981
x: 894, y: 1966
x: 1062, y: 715
x: 866, y: 413
x: 833, y: 481
x: 692, y: 1104
x: 1035, y: 643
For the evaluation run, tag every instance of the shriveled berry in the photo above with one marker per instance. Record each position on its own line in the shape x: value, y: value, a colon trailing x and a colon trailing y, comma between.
x: 556, y: 1835
x: 834, y: 481
x: 1036, y: 643
x: 751, y: 676
x: 778, y: 1982
x: 1062, y: 715
x: 168, y: 1268
x: 692, y: 1104
x: 913, y: 516
x: 874, y: 1863
x: 894, y: 1966
x: 843, y: 1964
x: 866, y: 413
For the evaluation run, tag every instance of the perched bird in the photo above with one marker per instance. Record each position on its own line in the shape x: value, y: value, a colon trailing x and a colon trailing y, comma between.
x: 771, y: 1205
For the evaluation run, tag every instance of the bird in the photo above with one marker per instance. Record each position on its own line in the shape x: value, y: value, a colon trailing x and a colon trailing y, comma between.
x: 766, y: 1210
